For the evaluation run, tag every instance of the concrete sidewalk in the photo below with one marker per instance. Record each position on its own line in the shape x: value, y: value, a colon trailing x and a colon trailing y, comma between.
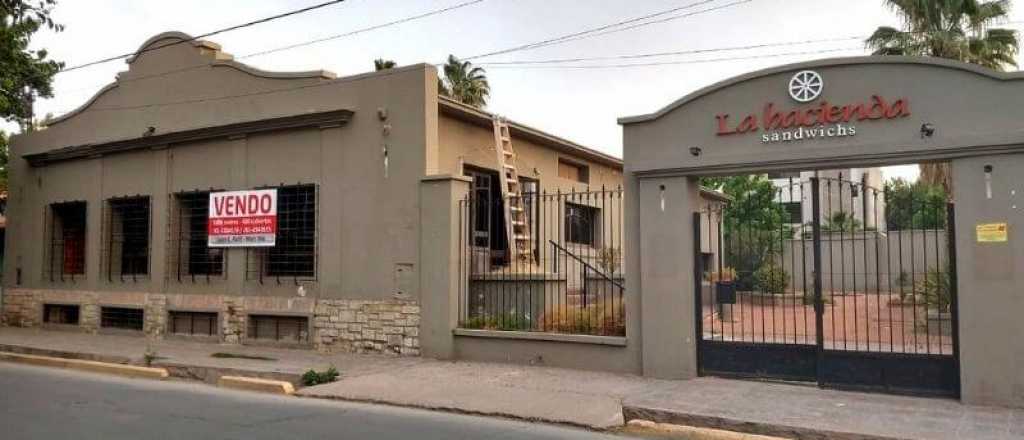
x: 589, y: 399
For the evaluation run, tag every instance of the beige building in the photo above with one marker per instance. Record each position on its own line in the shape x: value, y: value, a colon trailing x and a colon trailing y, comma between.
x: 109, y: 204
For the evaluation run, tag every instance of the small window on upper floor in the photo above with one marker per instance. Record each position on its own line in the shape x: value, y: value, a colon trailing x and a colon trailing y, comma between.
x: 573, y: 171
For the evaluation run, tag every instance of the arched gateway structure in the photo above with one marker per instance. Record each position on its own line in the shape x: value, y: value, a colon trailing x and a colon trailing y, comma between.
x: 825, y: 115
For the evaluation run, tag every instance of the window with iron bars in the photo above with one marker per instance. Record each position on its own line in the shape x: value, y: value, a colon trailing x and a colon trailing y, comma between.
x: 294, y: 329
x: 127, y: 224
x: 192, y: 258
x: 123, y: 318
x: 66, y: 223
x: 192, y: 323
x: 581, y: 224
x: 294, y: 252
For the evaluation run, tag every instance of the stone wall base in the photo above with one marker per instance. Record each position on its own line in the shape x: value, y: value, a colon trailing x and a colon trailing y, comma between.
x: 336, y: 325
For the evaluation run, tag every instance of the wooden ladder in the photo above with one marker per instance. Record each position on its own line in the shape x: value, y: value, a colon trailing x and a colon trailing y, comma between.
x: 517, y: 228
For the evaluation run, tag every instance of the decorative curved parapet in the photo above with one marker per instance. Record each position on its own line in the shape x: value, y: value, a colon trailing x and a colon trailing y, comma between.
x: 827, y: 62
x: 220, y: 59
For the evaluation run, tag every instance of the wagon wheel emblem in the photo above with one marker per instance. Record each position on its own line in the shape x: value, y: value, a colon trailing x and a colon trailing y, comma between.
x: 806, y: 86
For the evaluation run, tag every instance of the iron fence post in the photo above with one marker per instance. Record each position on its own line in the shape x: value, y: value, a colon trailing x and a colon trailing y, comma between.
x: 698, y: 291
x: 819, y: 306
x: 954, y: 310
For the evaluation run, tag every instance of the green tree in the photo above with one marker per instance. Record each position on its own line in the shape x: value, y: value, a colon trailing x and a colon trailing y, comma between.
x: 24, y: 73
x: 960, y: 30
x: 382, y: 64
x: 753, y: 202
x: 841, y: 221
x: 954, y: 29
x: 464, y: 82
x: 753, y: 226
x: 918, y: 205
x: 3, y: 161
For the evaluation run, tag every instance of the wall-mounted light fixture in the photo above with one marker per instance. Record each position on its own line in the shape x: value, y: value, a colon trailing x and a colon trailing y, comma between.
x: 661, y: 188
x: 988, y: 182
x: 927, y: 130
x: 696, y: 151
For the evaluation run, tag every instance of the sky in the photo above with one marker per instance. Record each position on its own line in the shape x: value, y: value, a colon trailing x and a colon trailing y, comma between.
x: 578, y: 104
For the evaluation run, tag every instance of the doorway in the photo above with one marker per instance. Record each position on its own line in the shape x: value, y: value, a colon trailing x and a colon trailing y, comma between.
x: 853, y: 296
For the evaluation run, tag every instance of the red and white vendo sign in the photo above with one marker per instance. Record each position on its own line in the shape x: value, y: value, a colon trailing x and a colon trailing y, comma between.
x: 242, y: 218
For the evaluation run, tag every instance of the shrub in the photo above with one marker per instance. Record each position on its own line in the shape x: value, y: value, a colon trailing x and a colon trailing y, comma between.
x: 502, y: 321
x: 726, y: 274
x: 603, y: 318
x: 609, y: 259
x: 936, y: 289
x: 771, y: 278
x: 313, y: 377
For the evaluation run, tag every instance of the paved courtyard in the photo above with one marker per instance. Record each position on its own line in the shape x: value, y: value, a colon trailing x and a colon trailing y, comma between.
x: 852, y: 321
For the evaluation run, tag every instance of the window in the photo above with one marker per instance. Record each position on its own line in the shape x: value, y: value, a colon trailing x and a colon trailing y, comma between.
x: 581, y: 224
x: 279, y: 328
x: 193, y: 256
x: 294, y: 251
x: 121, y: 318
x: 60, y: 314
x: 794, y: 212
x: 573, y: 171
x: 127, y: 237
x: 67, y: 240
x: 193, y: 323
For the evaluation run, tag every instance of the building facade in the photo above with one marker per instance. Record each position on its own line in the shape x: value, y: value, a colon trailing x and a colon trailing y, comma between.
x: 110, y: 207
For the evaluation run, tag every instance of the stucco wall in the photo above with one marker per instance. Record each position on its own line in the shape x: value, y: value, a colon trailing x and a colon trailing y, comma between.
x: 368, y: 217
x: 474, y: 145
x: 989, y: 278
x: 971, y: 112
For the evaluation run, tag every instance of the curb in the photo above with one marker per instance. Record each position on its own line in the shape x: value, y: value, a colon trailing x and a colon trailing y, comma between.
x: 663, y: 416
x: 84, y: 365
x: 451, y: 409
x: 647, y: 427
x: 208, y: 374
x: 255, y: 384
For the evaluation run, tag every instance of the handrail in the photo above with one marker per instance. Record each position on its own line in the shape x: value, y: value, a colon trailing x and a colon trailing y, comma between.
x: 587, y: 265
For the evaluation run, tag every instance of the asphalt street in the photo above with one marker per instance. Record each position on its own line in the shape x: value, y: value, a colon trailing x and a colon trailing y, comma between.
x: 42, y: 403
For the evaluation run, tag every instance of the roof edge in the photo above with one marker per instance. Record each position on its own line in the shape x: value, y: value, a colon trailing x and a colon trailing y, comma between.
x: 484, y: 117
x: 824, y: 62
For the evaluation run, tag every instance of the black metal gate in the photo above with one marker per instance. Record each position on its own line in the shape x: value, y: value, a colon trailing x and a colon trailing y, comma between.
x: 833, y: 282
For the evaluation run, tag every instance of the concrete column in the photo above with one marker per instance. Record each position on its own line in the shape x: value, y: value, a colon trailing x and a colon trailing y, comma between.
x: 159, y: 214
x: 439, y: 262
x: 666, y: 206
x: 989, y: 279
x: 235, y: 266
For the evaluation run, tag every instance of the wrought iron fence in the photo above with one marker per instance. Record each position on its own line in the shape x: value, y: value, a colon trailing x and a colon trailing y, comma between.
x: 570, y: 279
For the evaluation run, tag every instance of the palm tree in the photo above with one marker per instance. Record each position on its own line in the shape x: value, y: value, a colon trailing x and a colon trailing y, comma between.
x: 464, y: 82
x: 382, y: 64
x: 955, y: 29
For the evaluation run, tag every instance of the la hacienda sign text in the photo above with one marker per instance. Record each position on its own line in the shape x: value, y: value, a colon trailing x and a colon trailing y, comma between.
x: 824, y: 120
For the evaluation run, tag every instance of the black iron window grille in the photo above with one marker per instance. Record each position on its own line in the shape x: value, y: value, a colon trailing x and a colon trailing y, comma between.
x: 191, y: 256
x: 581, y: 223
x: 294, y: 254
x: 127, y: 224
x: 121, y: 318
x: 193, y: 323
x: 279, y: 328
x: 66, y: 224
x: 60, y: 314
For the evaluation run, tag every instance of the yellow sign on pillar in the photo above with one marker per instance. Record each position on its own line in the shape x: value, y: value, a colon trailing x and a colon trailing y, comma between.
x: 991, y: 232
